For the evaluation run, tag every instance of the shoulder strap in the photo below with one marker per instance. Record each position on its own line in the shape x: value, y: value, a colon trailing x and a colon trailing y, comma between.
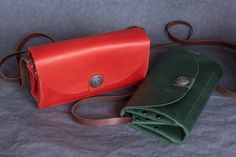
x: 104, y: 121
x: 8, y: 78
x: 18, y: 53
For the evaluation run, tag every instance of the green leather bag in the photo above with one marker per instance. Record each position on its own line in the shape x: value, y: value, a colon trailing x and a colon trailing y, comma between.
x: 170, y: 99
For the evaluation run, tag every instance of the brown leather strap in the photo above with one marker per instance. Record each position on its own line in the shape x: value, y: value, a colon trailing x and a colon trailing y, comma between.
x: 103, y: 121
x: 188, y: 41
x: 18, y: 52
x: 21, y: 43
x: 226, y: 92
x: 7, y: 78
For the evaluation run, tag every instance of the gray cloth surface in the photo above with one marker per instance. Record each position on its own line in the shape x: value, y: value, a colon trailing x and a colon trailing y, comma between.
x: 26, y: 131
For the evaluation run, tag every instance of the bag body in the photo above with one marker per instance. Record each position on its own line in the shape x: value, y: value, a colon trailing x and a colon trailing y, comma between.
x: 170, y: 99
x: 69, y: 70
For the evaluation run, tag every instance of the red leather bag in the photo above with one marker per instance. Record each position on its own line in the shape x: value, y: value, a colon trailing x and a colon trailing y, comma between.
x: 69, y: 70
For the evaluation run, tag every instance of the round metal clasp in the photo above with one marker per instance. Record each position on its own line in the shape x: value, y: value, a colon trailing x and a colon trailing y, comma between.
x: 181, y: 80
x: 96, y: 81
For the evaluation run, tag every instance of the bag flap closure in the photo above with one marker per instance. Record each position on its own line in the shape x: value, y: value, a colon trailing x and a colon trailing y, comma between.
x: 68, y: 66
x: 169, y: 81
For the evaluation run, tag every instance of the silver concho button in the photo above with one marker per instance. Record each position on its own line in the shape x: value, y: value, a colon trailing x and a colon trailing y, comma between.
x: 181, y: 80
x: 96, y: 81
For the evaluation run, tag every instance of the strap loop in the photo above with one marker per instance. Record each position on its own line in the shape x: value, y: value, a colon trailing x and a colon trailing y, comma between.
x: 18, y: 52
x: 178, y: 22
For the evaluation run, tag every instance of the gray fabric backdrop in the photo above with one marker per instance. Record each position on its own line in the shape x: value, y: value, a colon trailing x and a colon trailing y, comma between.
x: 27, y: 131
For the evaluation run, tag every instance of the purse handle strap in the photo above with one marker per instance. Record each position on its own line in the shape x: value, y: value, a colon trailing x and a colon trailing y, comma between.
x: 18, y: 53
x: 118, y: 120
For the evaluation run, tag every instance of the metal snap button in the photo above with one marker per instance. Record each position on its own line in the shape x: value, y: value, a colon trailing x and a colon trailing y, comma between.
x: 181, y: 80
x: 96, y: 81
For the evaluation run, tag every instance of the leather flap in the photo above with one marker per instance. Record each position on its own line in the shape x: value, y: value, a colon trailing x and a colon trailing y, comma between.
x: 161, y: 85
x: 67, y: 66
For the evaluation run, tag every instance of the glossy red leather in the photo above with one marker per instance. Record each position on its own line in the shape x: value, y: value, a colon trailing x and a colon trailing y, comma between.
x: 61, y: 71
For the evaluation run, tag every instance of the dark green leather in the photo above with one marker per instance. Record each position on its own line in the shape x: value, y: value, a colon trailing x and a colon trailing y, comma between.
x: 162, y: 108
